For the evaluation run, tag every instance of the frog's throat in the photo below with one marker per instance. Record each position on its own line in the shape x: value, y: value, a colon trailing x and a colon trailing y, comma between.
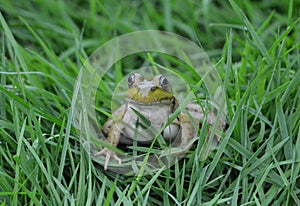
x: 155, y: 96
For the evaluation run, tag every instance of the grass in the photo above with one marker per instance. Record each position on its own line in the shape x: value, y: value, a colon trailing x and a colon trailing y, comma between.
x: 255, y: 47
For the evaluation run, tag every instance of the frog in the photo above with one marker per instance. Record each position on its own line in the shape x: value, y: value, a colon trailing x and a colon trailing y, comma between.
x: 153, y: 100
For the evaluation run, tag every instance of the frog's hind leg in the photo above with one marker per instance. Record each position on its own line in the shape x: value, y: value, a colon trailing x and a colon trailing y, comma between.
x: 187, y: 131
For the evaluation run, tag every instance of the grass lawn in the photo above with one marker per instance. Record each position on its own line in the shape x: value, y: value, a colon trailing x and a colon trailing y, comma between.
x: 255, y: 47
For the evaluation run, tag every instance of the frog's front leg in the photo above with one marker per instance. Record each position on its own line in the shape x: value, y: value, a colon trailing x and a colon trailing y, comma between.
x: 113, y: 139
x: 113, y: 130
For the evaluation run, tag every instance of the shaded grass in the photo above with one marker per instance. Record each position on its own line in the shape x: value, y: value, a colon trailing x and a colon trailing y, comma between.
x: 257, y: 50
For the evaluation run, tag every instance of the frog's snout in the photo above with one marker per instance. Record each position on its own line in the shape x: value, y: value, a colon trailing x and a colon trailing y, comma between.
x: 146, y: 88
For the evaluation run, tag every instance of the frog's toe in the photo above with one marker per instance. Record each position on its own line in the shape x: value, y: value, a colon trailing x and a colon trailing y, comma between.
x: 115, y: 157
x: 108, y: 154
x: 102, y: 152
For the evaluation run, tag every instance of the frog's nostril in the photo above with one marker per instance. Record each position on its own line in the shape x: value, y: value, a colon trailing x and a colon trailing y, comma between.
x: 152, y: 88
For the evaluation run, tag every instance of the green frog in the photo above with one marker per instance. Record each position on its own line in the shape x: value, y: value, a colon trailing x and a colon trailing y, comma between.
x: 149, y: 105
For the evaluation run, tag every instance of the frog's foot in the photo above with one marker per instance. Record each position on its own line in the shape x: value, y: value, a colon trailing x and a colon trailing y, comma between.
x: 109, y: 154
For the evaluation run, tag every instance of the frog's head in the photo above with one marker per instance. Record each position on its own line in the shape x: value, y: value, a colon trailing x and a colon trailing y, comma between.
x: 147, y: 91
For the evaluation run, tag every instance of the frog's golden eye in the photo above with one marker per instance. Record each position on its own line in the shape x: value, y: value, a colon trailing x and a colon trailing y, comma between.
x: 163, y: 82
x: 131, y: 80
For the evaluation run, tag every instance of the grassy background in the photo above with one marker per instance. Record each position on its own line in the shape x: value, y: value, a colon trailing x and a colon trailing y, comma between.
x: 255, y: 46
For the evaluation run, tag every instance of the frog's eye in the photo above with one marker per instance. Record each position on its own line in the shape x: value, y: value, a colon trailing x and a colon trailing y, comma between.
x: 163, y: 82
x: 130, y: 80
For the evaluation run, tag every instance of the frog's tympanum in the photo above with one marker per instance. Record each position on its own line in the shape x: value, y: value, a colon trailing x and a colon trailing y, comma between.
x: 153, y: 100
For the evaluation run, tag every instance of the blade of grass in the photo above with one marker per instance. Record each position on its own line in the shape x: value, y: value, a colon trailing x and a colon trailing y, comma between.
x: 45, y: 172
x: 257, y: 40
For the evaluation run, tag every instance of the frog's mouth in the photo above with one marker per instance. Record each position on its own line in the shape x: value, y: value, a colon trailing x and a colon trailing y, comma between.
x: 149, y: 95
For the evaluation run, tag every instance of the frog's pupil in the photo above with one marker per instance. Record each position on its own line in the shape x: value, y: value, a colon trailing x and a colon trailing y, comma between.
x: 130, y: 80
x: 163, y: 81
